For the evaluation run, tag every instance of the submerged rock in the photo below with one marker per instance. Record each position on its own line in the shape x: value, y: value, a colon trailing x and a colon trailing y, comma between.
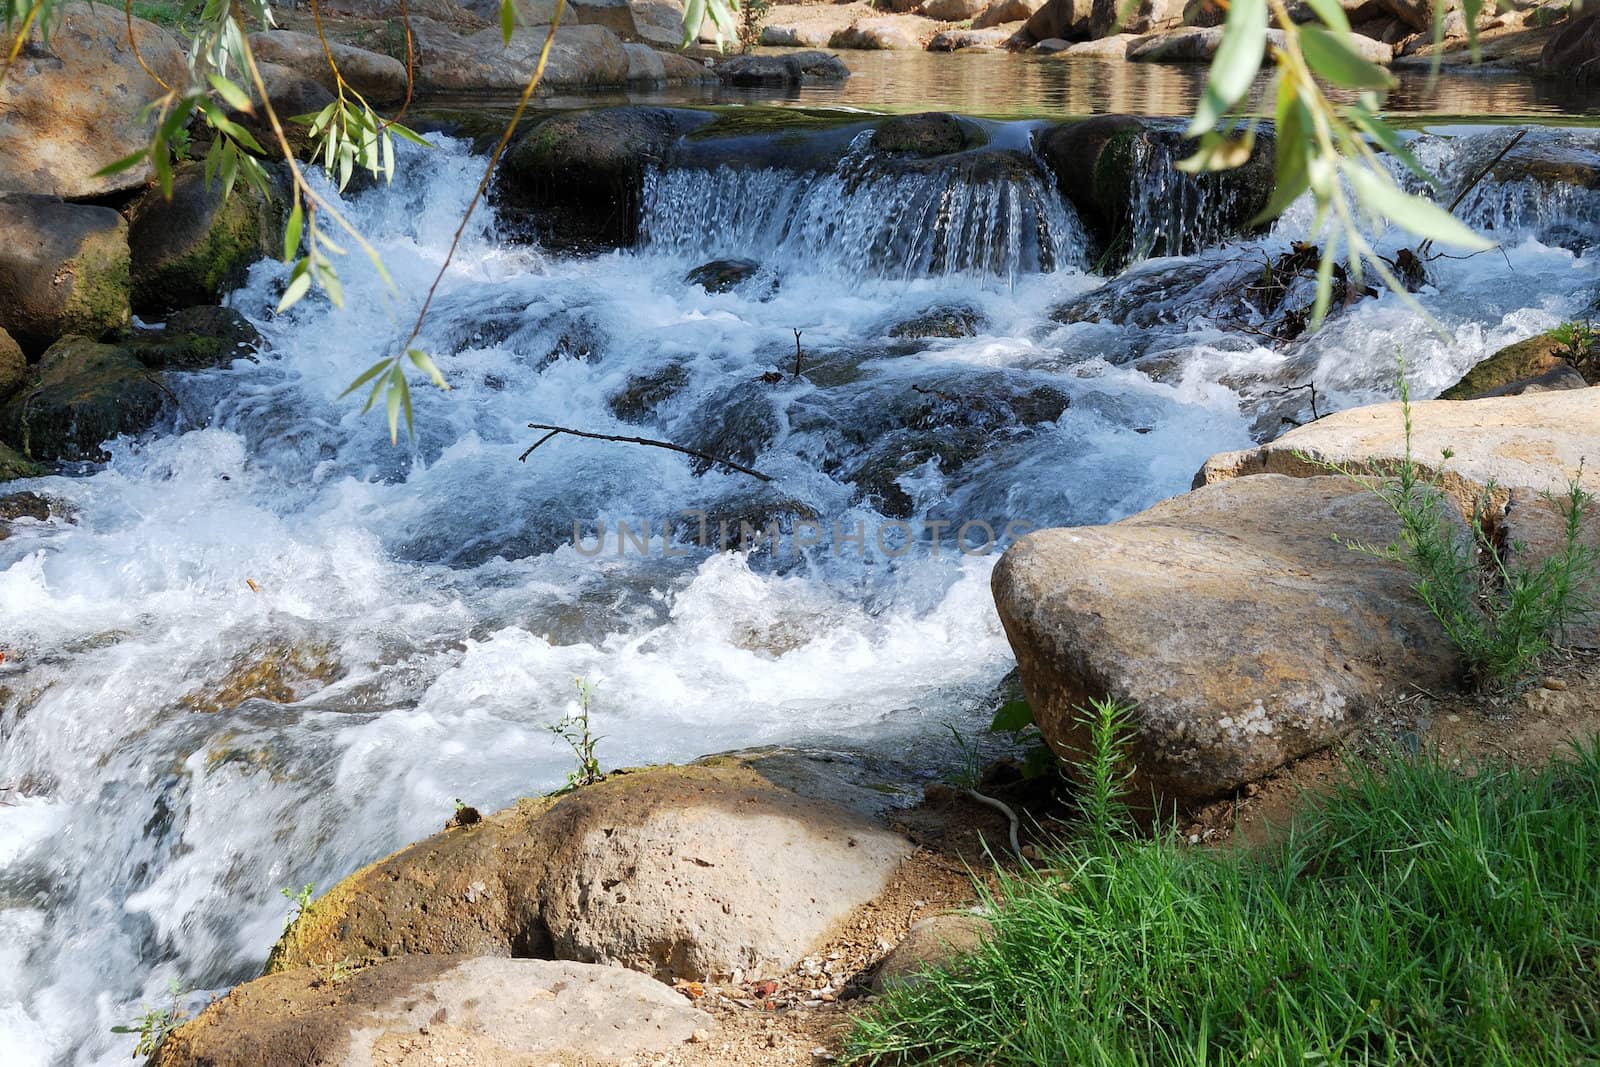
x: 649, y: 869
x: 196, y: 246
x: 1182, y: 612
x: 435, y: 1009
x: 945, y: 321
x: 723, y: 275
x: 73, y: 105
x: 644, y: 393
x: 63, y: 270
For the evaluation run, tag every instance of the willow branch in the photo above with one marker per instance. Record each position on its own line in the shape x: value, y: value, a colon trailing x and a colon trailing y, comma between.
x: 555, y: 431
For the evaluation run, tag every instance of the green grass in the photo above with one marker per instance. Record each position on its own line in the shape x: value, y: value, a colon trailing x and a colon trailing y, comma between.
x: 1415, y: 916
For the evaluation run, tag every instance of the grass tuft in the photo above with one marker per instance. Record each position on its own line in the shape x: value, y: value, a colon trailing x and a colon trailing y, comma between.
x: 1416, y: 915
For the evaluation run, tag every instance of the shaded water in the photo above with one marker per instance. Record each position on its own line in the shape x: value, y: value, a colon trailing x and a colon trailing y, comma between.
x: 269, y: 647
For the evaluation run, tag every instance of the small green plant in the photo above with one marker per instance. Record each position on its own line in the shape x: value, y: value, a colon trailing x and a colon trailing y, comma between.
x: 969, y: 772
x: 575, y: 729
x: 1015, y: 717
x: 155, y: 1024
x: 301, y: 899
x: 1579, y: 339
x: 1501, y: 613
x: 1104, y: 770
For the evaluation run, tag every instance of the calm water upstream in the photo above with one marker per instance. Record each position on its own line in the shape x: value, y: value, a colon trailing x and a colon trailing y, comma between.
x: 269, y: 647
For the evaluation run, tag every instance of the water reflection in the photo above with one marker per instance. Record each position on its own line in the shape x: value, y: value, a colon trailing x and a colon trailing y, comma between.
x: 1011, y: 86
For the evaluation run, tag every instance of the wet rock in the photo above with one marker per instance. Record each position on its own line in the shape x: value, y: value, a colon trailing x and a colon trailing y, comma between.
x: 793, y: 69
x: 945, y: 321
x: 1000, y: 12
x: 1066, y: 20
x: 63, y: 270
x: 13, y: 365
x: 1523, y: 361
x: 578, y: 175
x: 1050, y: 46
x: 1554, y: 380
x: 723, y: 275
x: 437, y: 1009
x: 650, y: 869
x: 15, y: 506
x: 1552, y: 158
x: 80, y: 394
x: 197, y: 246
x: 278, y: 672
x: 932, y: 134
x: 876, y: 35
x: 957, y: 40
x: 740, y: 426
x: 1533, y: 443
x: 644, y: 393
x: 1104, y: 164
x: 14, y: 465
x: 379, y: 78
x: 72, y: 106
x: 196, y: 338
x: 934, y: 943
x: 1145, y: 16
x: 1196, y: 44
x: 953, y: 10
x: 1181, y: 611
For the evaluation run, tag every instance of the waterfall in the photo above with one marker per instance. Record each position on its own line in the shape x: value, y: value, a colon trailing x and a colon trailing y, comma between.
x: 982, y: 213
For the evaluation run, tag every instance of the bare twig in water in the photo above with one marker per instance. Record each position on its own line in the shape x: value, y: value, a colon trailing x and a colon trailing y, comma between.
x: 799, y: 353
x: 553, y: 431
x: 1422, y: 249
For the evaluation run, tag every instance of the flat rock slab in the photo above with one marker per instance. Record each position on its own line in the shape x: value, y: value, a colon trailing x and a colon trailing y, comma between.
x: 1532, y: 442
x: 1241, y: 632
x: 416, y: 1010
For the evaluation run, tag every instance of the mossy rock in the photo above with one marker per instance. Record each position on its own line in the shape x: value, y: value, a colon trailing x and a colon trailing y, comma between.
x: 13, y: 365
x: 81, y: 394
x: 196, y: 338
x: 932, y: 134
x: 642, y: 394
x: 63, y: 270
x: 944, y: 322
x: 1529, y: 358
x: 14, y: 465
x: 193, y: 248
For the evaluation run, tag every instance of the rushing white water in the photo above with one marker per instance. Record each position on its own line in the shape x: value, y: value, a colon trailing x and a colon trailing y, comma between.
x: 422, y: 611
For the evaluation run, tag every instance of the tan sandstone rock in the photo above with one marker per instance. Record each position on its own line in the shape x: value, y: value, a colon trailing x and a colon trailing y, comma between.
x: 680, y: 872
x: 71, y: 107
x: 379, y: 78
x: 1533, y: 442
x: 933, y: 943
x: 424, y: 1010
x: 1243, y: 635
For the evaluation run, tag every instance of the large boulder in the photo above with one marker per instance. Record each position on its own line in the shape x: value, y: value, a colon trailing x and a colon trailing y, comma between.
x: 196, y: 246
x: 379, y: 78
x: 953, y: 10
x: 1239, y: 631
x: 680, y: 872
x: 63, y: 269
x: 80, y: 395
x: 650, y: 66
x: 1000, y: 12
x: 291, y: 94
x: 1534, y: 443
x: 1146, y: 16
x: 1573, y: 52
x: 437, y: 1009
x: 582, y: 57
x: 578, y: 175
x: 788, y: 70
x: 13, y: 365
x: 1066, y: 20
x: 72, y: 106
x: 958, y: 40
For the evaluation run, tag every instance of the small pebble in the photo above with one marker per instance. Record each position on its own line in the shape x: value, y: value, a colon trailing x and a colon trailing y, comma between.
x: 700, y: 1037
x: 1452, y: 718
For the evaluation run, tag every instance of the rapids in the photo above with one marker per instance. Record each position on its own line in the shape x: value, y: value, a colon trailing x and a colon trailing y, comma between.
x: 269, y: 647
